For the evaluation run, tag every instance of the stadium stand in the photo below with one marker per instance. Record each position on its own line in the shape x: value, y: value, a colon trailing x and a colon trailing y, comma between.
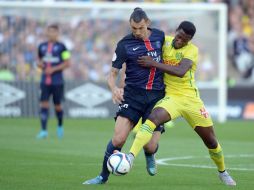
x: 92, y: 49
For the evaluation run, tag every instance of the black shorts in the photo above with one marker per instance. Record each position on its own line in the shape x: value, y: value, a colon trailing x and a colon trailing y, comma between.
x: 139, y: 103
x: 57, y: 91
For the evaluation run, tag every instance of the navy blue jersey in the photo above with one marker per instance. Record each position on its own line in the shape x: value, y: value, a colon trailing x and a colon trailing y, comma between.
x: 52, y: 54
x: 129, y: 49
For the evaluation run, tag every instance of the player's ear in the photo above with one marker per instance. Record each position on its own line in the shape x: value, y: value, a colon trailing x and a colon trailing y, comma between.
x: 148, y: 22
x: 190, y: 38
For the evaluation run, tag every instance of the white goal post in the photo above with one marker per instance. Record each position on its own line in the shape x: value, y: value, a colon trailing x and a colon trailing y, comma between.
x: 211, y: 37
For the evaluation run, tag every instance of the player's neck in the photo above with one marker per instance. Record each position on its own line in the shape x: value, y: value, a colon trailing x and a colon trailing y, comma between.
x: 52, y: 41
x: 147, y: 35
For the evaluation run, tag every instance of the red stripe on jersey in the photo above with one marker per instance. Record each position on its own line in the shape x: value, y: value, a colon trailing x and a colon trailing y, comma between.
x: 149, y: 84
x: 148, y: 45
x: 48, y: 64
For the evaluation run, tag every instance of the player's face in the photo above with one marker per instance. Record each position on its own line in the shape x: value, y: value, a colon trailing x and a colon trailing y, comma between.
x: 139, y: 29
x: 52, y: 34
x: 181, y: 39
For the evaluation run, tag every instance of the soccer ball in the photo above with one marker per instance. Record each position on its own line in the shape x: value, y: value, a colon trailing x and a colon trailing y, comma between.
x: 118, y: 164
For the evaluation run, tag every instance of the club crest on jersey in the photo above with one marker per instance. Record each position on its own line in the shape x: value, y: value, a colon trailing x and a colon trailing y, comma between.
x: 158, y: 44
x: 204, y: 112
x: 55, y: 48
x: 44, y: 48
x: 179, y: 56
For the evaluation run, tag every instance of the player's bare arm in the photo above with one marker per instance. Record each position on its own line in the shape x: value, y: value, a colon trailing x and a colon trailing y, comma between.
x: 117, y: 93
x: 40, y: 64
x: 179, y: 70
x: 122, y: 76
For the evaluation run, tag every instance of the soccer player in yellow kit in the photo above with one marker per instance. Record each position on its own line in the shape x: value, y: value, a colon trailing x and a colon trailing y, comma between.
x: 182, y: 97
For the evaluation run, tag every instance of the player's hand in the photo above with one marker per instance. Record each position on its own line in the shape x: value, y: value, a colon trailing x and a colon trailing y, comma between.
x: 145, y: 61
x: 117, y: 95
x: 48, y: 70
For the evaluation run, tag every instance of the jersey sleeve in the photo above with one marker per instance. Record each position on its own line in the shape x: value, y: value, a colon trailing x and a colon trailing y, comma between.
x: 39, y: 52
x: 191, y: 53
x: 119, y: 56
x: 65, y: 54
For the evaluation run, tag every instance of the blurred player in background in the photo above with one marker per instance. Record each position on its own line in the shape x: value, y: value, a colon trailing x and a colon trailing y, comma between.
x: 182, y: 97
x: 53, y: 59
x: 143, y: 88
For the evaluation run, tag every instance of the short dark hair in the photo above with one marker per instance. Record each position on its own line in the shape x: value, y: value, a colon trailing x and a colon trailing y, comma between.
x: 138, y: 14
x: 54, y: 26
x: 188, y: 27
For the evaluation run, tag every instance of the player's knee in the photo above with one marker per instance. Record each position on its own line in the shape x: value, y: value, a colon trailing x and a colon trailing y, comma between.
x: 58, y: 107
x: 44, y: 104
x: 211, y: 143
x: 118, y: 141
x: 154, y: 117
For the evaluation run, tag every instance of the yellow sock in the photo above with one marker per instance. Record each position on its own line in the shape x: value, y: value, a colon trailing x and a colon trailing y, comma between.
x: 142, y: 137
x: 137, y: 126
x: 218, y: 157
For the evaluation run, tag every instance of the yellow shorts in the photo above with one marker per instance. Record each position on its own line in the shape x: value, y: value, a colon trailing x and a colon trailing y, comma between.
x: 191, y: 109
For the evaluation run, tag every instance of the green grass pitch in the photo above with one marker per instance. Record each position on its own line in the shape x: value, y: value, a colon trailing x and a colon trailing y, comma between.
x: 30, y: 164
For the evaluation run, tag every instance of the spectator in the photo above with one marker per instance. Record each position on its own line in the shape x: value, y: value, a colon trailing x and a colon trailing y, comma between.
x: 90, y: 42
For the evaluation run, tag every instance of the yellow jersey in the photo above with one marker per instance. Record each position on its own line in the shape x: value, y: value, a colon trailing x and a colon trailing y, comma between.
x: 185, y: 86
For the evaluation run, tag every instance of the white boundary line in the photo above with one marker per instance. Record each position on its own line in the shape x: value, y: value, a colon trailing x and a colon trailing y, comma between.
x: 164, y: 161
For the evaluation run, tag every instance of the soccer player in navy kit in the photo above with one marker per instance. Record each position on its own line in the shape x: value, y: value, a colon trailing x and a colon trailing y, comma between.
x: 143, y: 88
x: 53, y: 59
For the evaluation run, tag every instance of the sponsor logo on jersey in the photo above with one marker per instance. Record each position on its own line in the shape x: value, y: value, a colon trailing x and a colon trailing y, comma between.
x: 154, y: 55
x: 49, y: 58
x: 135, y: 48
x: 171, y: 62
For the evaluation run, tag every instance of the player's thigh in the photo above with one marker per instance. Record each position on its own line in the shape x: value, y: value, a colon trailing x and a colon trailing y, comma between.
x: 126, y: 110
x: 58, y: 94
x: 170, y: 105
x: 152, y: 98
x: 45, y: 92
x: 196, y: 115
x: 133, y: 105
x: 123, y: 126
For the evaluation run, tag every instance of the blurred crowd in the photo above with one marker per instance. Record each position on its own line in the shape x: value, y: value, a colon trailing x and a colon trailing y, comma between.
x: 89, y: 42
x: 92, y: 45
x: 241, y: 38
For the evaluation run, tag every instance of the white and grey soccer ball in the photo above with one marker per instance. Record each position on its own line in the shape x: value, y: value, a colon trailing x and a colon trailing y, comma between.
x: 118, y: 164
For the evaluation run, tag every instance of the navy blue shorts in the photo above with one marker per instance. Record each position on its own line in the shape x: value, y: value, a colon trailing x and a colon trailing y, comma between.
x: 57, y: 91
x: 139, y: 103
